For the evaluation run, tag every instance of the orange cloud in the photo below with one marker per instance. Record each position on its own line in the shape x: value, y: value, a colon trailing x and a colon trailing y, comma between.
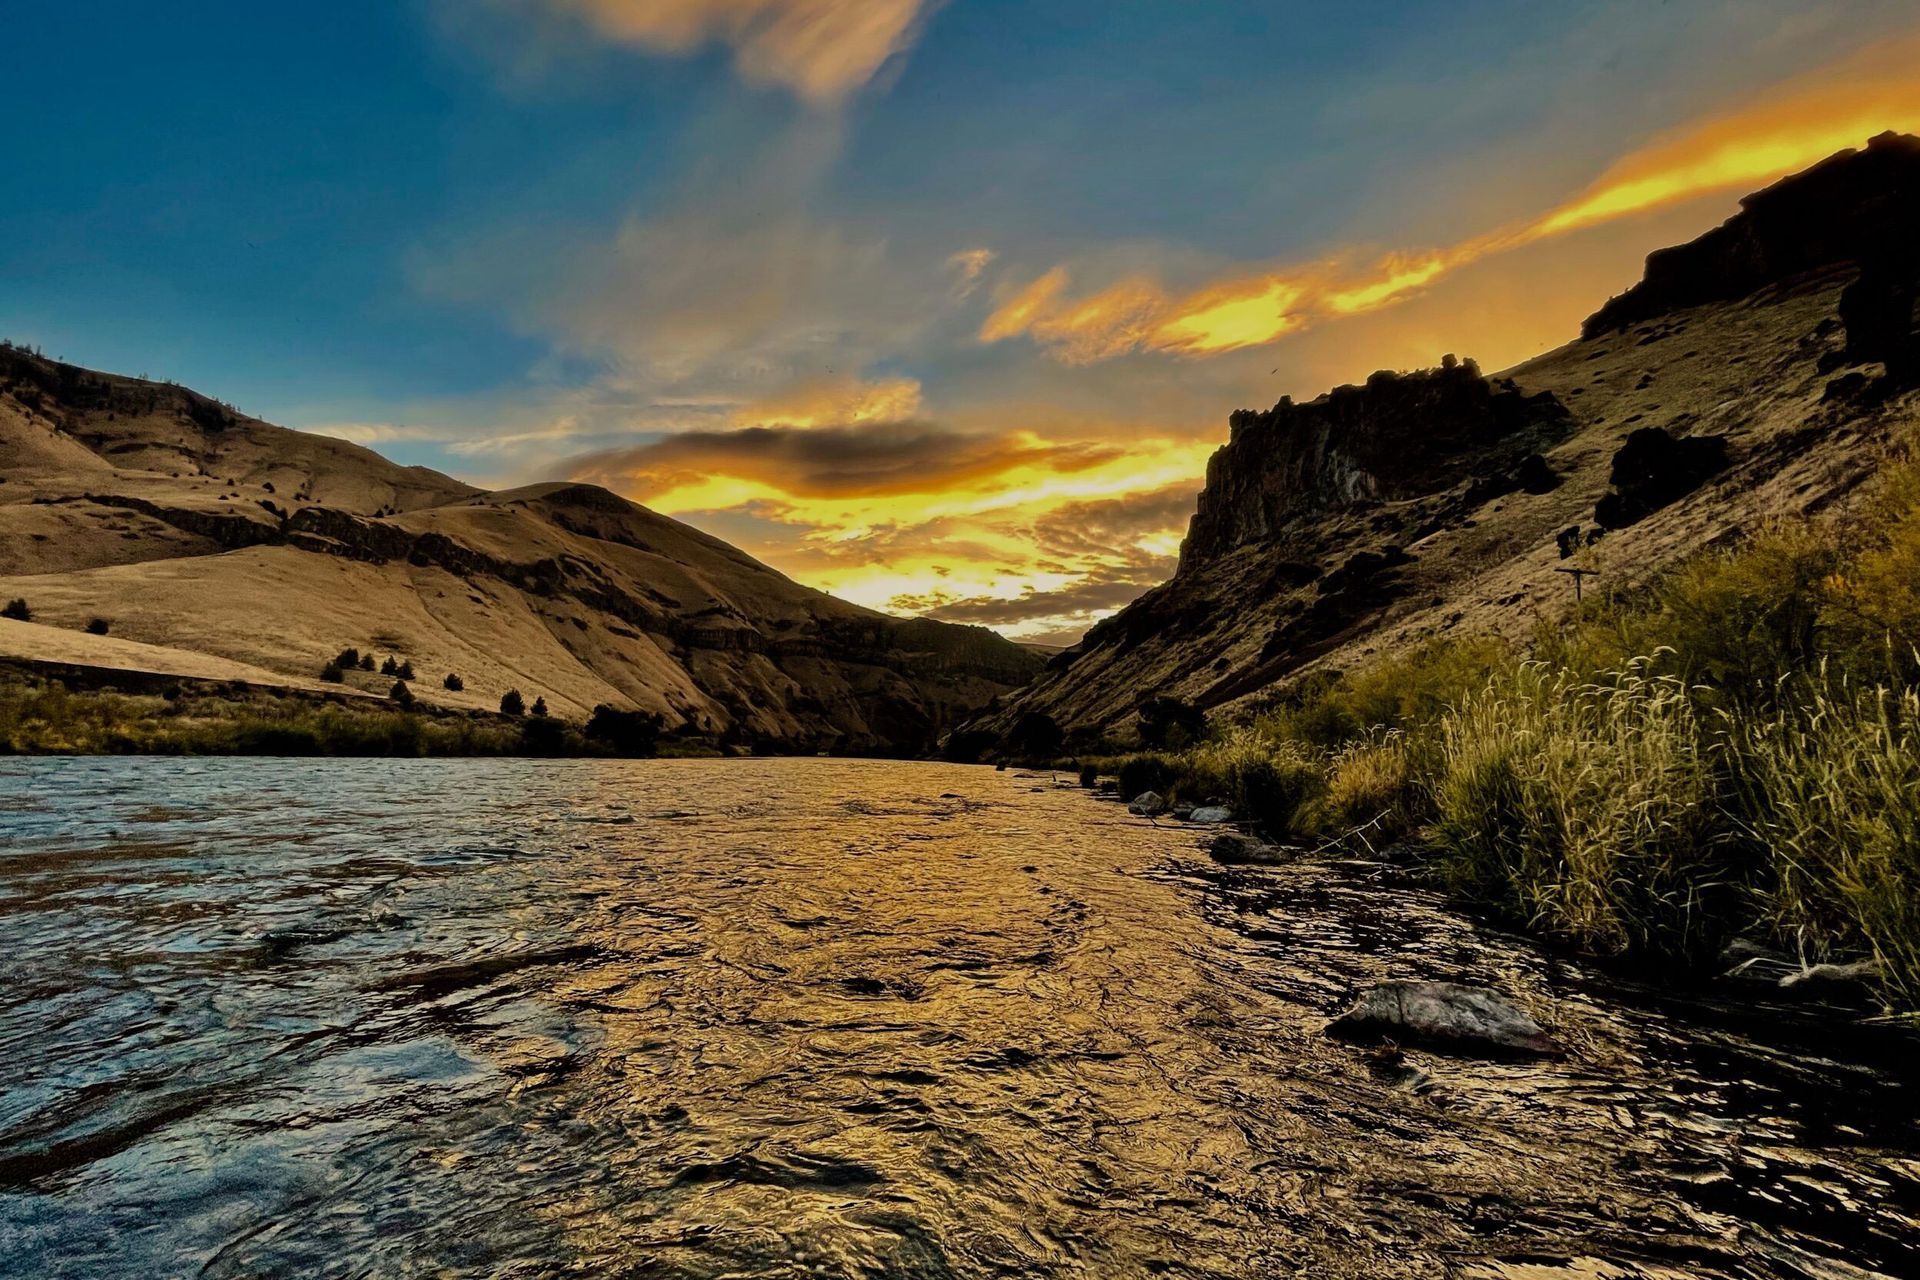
x: 1797, y: 124
x: 821, y: 49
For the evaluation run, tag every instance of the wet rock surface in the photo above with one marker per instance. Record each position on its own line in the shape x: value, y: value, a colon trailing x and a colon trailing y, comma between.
x: 1446, y: 1014
x: 815, y: 1018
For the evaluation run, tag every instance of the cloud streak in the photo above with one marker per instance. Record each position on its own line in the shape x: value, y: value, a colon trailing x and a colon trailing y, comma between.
x: 1795, y: 125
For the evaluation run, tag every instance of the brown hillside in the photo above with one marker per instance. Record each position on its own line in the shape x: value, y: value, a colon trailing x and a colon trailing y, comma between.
x: 197, y: 530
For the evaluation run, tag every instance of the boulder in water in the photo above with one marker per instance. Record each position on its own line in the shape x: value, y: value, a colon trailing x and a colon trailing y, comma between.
x: 1446, y: 1015
x: 1209, y: 814
x: 1147, y: 804
x: 1232, y: 849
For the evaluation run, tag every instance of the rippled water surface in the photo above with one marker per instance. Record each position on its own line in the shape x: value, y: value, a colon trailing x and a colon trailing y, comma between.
x: 829, y: 1018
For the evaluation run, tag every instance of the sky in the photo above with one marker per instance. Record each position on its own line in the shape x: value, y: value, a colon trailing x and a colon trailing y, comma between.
x: 939, y: 306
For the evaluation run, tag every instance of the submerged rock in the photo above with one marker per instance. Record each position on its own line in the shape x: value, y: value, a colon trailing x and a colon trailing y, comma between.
x: 1147, y: 804
x: 1232, y: 849
x: 1445, y: 1015
x: 1211, y: 813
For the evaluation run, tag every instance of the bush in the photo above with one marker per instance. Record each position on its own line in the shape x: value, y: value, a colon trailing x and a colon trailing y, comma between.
x: 1588, y: 810
x: 405, y: 671
x: 400, y: 693
x: 1143, y: 773
x: 332, y: 673
x: 389, y: 667
x: 1089, y: 775
x: 1831, y: 792
x: 1270, y: 784
x: 347, y: 660
x: 1169, y: 722
x: 97, y: 626
x: 539, y: 710
x: 540, y: 736
x: 1406, y: 689
x: 1374, y: 781
x: 366, y: 662
x: 625, y: 733
x: 453, y: 683
x: 512, y: 704
x: 1035, y: 736
x: 17, y: 610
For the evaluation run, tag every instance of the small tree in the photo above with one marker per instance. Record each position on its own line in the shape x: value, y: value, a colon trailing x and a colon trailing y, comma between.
x: 17, y: 610
x: 406, y: 671
x: 1169, y: 722
x: 97, y: 626
x: 389, y: 667
x: 454, y: 683
x: 332, y: 673
x: 348, y: 659
x: 539, y: 708
x: 512, y: 704
x: 400, y: 693
x: 366, y: 662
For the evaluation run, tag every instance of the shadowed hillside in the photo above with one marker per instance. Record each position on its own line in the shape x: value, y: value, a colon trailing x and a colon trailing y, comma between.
x: 1759, y: 371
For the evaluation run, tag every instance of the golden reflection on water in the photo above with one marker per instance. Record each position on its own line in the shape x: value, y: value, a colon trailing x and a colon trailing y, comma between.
x: 826, y: 1018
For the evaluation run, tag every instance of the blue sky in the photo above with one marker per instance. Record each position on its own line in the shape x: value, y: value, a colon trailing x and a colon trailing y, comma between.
x: 897, y: 294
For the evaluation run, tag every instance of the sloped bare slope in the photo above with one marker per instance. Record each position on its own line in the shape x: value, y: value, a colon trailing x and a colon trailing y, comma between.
x: 195, y: 528
x: 1763, y: 368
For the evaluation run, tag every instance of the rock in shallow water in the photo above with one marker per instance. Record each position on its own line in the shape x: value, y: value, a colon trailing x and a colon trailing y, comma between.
x: 1147, y: 804
x: 1234, y: 850
x: 1444, y: 1015
x: 1210, y: 814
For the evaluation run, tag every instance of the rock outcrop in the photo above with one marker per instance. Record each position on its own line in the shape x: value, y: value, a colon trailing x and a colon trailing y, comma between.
x: 1854, y: 208
x: 1399, y: 436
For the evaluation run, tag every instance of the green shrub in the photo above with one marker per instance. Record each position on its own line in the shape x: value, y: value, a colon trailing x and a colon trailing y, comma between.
x: 401, y: 694
x: 1089, y: 775
x: 332, y: 673
x: 1169, y: 722
x: 348, y: 659
x: 17, y: 610
x: 1139, y: 774
x: 453, y: 683
x: 1831, y: 791
x: 512, y: 704
x: 98, y: 626
x: 1374, y: 783
x: 539, y: 709
x: 624, y: 733
x: 1589, y: 810
x: 1414, y: 687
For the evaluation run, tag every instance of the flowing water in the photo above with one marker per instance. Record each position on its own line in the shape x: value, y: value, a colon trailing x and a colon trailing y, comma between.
x: 826, y: 1018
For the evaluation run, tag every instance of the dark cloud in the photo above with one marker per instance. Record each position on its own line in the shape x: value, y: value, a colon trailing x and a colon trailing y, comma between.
x: 1111, y: 526
x: 863, y: 460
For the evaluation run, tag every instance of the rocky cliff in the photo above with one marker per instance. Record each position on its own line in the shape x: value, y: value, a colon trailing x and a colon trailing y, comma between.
x: 1756, y: 371
x: 197, y: 531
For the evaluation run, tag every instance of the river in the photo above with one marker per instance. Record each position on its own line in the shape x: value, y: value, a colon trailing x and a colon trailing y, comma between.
x: 834, y: 1019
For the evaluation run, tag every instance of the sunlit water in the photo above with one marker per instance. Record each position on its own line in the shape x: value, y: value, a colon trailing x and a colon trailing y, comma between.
x: 824, y: 1018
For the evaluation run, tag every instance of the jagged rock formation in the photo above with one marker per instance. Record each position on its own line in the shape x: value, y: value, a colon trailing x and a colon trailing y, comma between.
x: 1858, y: 207
x: 1427, y: 504
x: 200, y: 531
x: 1349, y: 448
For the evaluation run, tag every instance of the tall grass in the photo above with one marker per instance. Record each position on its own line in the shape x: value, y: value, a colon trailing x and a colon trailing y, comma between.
x: 1590, y: 810
x: 1830, y: 790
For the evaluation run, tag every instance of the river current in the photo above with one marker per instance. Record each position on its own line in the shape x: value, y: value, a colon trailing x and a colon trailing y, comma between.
x: 824, y: 1018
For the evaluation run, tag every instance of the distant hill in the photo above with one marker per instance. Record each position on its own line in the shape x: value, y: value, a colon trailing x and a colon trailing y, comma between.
x: 199, y: 532
x: 1757, y: 371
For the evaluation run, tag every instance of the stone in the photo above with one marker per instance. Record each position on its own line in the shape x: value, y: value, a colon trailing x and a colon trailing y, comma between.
x: 1232, y: 849
x: 1445, y: 1015
x: 1148, y: 804
x: 1210, y: 814
x: 1654, y: 469
x: 1859, y: 973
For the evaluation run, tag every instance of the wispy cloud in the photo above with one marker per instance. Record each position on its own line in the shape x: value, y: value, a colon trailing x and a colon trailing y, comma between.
x: 822, y: 50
